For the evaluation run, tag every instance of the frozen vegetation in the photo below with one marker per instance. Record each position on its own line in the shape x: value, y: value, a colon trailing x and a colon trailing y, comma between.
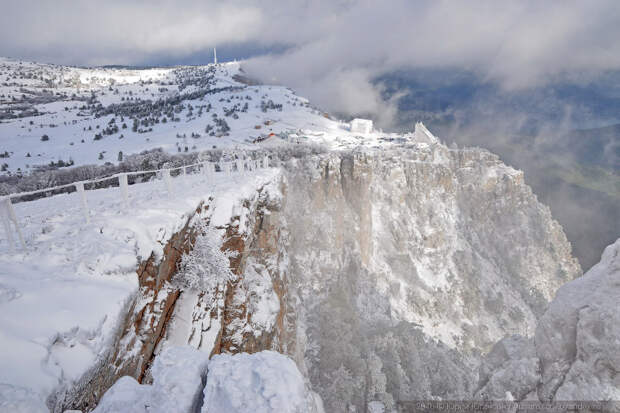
x: 207, y: 268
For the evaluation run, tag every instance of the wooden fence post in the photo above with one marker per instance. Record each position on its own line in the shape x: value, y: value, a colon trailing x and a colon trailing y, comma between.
x: 167, y: 180
x: 122, y: 182
x: 79, y: 187
x: 8, y: 215
x: 208, y: 170
x: 7, y: 224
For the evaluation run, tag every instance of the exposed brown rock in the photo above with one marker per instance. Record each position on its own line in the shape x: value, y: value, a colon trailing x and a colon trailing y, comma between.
x: 149, y: 314
x: 142, y: 328
x: 260, y: 244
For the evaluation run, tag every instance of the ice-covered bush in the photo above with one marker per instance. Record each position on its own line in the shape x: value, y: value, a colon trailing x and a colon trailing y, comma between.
x: 206, y: 267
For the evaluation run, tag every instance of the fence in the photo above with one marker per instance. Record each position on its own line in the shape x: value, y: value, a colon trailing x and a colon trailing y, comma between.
x: 206, y: 168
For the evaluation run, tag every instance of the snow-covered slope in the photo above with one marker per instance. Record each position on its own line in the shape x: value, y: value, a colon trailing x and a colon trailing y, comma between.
x: 64, y: 298
x: 51, y: 114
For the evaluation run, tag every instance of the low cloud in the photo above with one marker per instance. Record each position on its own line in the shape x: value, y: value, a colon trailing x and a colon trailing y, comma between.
x: 515, y: 44
x: 122, y: 32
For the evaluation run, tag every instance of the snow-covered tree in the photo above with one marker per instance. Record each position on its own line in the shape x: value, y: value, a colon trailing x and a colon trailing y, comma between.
x: 206, y: 268
x: 342, y: 389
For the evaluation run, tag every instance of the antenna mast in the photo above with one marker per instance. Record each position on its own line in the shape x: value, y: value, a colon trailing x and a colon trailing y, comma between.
x: 214, y: 56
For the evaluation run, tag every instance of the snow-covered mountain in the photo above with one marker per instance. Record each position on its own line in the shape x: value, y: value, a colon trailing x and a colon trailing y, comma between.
x: 56, y: 115
x: 358, y: 269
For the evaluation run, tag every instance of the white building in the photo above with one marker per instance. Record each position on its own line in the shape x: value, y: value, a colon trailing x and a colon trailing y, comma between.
x: 361, y: 125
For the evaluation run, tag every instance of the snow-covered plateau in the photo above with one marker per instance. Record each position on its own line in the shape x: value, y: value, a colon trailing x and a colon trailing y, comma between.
x: 353, y: 271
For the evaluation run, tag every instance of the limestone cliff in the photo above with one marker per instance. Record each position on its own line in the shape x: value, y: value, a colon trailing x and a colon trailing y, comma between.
x: 403, y: 256
x: 385, y: 273
x: 574, y: 352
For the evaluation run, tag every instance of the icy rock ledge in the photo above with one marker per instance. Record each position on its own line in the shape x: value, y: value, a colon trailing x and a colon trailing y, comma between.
x: 260, y: 383
x: 178, y: 379
x: 184, y: 380
x: 574, y: 354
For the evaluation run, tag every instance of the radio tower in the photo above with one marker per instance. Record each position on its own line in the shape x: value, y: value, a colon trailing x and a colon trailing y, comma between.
x: 214, y: 56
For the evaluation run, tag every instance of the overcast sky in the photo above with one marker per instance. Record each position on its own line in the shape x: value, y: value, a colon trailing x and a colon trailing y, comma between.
x: 339, y: 45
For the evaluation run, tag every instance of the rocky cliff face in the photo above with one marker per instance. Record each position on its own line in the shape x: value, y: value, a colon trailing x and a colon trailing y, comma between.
x: 384, y: 273
x: 574, y: 352
x: 248, y: 314
x: 403, y: 256
x: 143, y: 326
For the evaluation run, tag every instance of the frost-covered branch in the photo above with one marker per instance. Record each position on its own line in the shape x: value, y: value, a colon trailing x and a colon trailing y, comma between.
x: 206, y: 268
